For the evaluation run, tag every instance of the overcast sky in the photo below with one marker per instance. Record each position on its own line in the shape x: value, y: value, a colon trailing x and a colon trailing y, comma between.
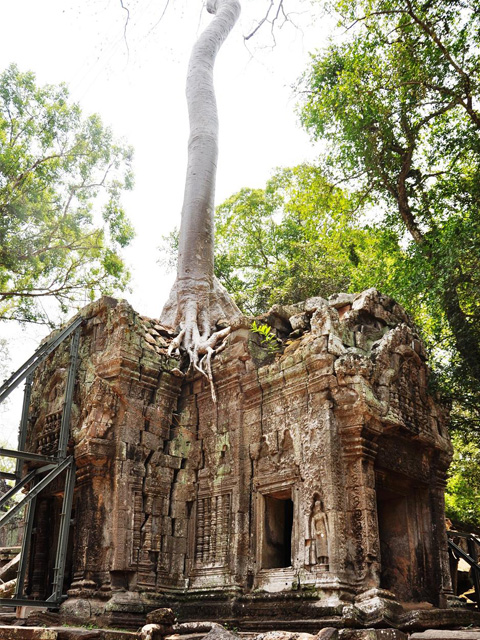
x: 135, y: 80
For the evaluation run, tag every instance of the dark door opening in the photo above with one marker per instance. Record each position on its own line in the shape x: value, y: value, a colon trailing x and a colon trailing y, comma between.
x: 277, y: 533
x: 404, y: 539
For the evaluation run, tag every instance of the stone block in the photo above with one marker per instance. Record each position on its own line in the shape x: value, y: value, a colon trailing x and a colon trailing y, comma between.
x: 300, y: 322
x: 288, y: 635
x: 329, y: 633
x: 164, y: 617
x: 335, y: 345
x: 150, y: 440
x: 220, y: 633
x: 27, y: 633
x: 312, y: 304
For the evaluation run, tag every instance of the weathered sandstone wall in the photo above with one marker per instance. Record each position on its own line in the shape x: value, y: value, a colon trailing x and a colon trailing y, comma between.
x: 314, y: 486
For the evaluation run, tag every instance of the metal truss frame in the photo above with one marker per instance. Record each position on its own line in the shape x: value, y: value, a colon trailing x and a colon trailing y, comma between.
x: 45, y: 474
x: 472, y: 557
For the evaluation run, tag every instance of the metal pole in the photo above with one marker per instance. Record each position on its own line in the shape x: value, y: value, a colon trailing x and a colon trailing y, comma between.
x: 39, y: 356
x: 26, y: 455
x: 17, y: 487
x: 67, y: 405
x: 22, y: 432
x: 63, y: 532
x: 472, y: 549
x: 7, y: 476
x: 27, y: 537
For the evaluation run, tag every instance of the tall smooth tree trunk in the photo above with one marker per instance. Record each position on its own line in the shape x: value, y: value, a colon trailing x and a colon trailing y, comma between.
x: 198, y: 302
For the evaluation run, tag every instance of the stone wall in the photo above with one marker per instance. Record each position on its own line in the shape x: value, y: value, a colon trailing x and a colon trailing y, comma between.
x: 314, y: 487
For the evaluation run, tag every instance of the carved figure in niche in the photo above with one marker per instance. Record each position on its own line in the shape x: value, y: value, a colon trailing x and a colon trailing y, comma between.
x: 318, y: 534
x: 224, y: 462
x: 287, y: 443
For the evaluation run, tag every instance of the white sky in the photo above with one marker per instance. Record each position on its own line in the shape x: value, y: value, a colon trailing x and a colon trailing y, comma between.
x: 140, y: 94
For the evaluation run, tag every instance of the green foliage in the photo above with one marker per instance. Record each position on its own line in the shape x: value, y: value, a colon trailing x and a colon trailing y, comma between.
x: 462, y: 499
x: 298, y: 237
x: 269, y: 339
x: 396, y: 101
x: 61, y: 220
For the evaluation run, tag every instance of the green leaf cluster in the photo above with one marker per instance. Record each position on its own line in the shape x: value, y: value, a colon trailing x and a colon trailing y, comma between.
x: 62, y: 224
x: 462, y: 500
x: 395, y: 98
x: 299, y: 237
x: 268, y: 338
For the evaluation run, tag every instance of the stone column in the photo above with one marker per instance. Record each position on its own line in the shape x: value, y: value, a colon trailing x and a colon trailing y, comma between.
x: 92, y: 534
x: 359, y: 451
x: 439, y: 541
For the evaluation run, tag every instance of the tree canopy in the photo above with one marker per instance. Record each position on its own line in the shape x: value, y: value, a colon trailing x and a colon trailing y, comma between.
x: 298, y: 237
x: 61, y: 219
x: 396, y: 100
x: 462, y: 500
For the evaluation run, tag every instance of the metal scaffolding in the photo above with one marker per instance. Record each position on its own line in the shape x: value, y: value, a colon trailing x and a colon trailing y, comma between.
x: 41, y: 477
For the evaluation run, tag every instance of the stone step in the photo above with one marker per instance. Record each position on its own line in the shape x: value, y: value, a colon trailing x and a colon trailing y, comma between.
x: 7, y: 616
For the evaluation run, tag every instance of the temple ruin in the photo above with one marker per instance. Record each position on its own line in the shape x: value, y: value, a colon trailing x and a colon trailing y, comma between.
x: 312, y: 491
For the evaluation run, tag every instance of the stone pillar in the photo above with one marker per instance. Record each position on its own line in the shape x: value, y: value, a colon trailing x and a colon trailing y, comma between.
x: 446, y: 596
x: 359, y: 452
x: 92, y: 541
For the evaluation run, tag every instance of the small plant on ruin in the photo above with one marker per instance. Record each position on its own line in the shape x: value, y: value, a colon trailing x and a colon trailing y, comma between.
x: 269, y: 339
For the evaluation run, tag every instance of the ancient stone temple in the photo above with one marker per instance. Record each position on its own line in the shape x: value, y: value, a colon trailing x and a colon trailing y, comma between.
x: 312, y: 490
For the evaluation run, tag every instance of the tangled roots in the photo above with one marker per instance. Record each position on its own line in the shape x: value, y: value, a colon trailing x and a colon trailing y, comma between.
x: 197, y: 312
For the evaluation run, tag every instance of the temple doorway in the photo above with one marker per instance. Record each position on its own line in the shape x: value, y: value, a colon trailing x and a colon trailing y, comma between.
x: 278, y: 525
x: 403, y: 520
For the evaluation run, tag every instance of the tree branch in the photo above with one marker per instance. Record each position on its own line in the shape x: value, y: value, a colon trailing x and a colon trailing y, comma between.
x: 262, y: 22
x: 126, y: 25
x: 160, y: 19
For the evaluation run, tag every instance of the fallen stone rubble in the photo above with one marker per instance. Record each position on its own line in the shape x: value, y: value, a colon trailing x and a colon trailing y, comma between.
x: 152, y: 631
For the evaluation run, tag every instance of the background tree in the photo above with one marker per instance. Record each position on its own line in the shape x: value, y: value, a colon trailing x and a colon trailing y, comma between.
x: 397, y: 101
x: 61, y: 219
x: 299, y: 237
x: 462, y: 499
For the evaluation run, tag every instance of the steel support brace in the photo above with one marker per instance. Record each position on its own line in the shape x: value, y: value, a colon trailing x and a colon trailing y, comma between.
x: 24, y: 602
x: 26, y: 455
x: 473, y: 552
x: 64, y: 530
x: 27, y: 537
x: 38, y: 357
x: 67, y: 404
x: 7, y: 476
x: 55, y: 466
x: 471, y: 559
x: 36, y: 490
x: 22, y: 432
x: 28, y: 478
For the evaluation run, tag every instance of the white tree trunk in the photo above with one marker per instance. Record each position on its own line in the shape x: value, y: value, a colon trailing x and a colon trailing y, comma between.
x: 197, y: 301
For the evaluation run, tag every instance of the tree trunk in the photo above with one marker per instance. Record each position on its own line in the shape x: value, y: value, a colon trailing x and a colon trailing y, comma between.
x: 466, y: 336
x: 198, y: 303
